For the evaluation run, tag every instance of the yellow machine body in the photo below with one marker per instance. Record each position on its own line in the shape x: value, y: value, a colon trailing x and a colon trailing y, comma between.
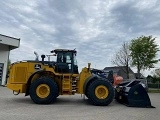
x: 45, y: 80
x: 21, y: 73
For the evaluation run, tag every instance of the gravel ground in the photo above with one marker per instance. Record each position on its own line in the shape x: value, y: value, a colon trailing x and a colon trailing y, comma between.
x: 72, y: 108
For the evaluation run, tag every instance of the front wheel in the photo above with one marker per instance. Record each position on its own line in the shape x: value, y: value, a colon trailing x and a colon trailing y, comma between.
x: 43, y: 90
x: 100, y: 92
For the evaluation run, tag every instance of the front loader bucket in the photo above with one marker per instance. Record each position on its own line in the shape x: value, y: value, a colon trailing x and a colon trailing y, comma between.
x: 133, y: 95
x: 138, y: 97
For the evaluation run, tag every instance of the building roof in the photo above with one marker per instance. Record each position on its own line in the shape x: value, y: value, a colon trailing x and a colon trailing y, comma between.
x: 139, y: 74
x: 10, y: 37
x: 9, y: 41
x: 114, y: 69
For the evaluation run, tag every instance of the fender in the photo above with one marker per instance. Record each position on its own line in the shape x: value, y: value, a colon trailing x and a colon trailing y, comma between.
x: 88, y: 80
x: 29, y: 80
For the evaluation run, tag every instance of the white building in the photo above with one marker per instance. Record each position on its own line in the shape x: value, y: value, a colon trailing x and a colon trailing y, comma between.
x: 6, y: 44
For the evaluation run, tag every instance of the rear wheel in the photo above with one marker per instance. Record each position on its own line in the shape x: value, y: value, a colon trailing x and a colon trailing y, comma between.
x: 100, y: 92
x: 43, y: 90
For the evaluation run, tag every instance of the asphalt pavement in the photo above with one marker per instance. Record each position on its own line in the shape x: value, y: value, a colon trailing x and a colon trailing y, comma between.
x: 72, y: 108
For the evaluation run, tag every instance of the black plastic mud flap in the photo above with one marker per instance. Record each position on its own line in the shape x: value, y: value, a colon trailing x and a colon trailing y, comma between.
x: 138, y: 97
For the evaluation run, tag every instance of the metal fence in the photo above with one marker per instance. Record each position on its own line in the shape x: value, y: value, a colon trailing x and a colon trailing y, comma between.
x: 154, y: 85
x: 148, y: 86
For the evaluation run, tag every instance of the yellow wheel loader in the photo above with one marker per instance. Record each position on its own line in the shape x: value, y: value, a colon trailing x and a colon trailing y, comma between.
x: 44, y: 80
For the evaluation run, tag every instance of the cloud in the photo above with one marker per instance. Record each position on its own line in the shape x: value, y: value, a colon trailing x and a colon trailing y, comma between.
x: 95, y: 28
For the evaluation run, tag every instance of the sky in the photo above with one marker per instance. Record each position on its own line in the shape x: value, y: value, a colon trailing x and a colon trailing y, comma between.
x: 96, y: 28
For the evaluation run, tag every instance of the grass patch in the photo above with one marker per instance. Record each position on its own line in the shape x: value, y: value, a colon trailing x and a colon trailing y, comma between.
x: 154, y: 90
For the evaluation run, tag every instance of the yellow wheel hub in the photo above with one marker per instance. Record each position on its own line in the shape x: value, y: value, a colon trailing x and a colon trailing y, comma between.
x: 43, y: 90
x: 101, y: 92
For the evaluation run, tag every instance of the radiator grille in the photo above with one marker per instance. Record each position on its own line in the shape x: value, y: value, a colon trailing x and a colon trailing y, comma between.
x: 20, y: 74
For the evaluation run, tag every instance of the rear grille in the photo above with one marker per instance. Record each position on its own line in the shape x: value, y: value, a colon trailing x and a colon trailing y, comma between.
x: 20, y: 75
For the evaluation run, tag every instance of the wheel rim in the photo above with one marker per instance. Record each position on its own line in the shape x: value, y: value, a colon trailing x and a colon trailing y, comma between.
x: 43, y: 90
x: 101, y: 92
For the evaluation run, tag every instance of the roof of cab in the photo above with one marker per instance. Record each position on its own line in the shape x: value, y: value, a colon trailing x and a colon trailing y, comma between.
x: 63, y: 50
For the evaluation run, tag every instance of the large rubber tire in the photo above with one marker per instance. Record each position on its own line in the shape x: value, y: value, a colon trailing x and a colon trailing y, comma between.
x: 107, y: 89
x: 43, y: 83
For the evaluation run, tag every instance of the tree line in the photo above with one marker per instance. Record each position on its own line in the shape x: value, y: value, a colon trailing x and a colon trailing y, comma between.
x: 140, y: 52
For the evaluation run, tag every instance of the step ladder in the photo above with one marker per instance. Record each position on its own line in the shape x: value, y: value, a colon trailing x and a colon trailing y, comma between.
x: 66, y: 85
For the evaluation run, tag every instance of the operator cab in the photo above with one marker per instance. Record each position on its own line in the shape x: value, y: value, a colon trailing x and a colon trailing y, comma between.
x: 66, y: 61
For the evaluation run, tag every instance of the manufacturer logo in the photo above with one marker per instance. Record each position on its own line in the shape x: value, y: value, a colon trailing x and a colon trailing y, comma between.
x: 37, y: 66
x: 136, y: 93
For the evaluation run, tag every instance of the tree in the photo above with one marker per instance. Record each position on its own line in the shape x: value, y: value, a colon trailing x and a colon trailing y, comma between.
x: 122, y: 57
x: 143, y: 52
x: 155, y: 75
x: 156, y: 72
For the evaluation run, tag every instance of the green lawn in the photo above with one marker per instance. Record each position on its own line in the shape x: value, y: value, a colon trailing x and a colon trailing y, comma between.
x: 154, y: 90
